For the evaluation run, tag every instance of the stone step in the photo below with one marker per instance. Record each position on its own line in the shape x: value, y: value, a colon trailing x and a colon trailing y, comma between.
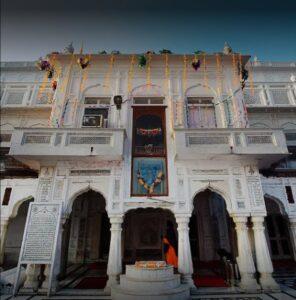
x: 180, y: 293
x: 138, y: 284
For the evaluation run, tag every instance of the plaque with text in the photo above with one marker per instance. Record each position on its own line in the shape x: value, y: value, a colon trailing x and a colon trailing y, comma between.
x: 40, y: 233
x: 40, y: 237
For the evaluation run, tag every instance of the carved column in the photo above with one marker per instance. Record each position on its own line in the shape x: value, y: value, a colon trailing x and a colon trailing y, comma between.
x: 185, y: 266
x: 245, y: 260
x: 263, y: 260
x: 32, y: 273
x: 292, y: 229
x: 114, y: 268
x: 4, y: 227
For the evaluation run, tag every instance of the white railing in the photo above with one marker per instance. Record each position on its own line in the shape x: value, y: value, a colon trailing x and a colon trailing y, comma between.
x: 192, y: 143
x: 56, y: 142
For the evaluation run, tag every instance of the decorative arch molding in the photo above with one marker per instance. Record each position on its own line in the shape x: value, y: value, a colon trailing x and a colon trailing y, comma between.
x: 147, y: 90
x: 77, y: 193
x: 18, y: 204
x: 216, y: 189
x: 259, y: 125
x: 147, y: 207
x: 9, y: 125
x: 288, y: 125
x: 277, y: 201
x: 190, y: 89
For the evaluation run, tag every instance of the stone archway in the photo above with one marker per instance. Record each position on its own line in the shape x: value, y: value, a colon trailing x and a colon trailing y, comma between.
x: 14, y: 235
x: 212, y: 240
x: 143, y: 229
x: 85, y: 245
x: 277, y: 233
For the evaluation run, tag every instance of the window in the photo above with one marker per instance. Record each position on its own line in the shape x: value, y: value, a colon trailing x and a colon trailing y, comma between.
x: 279, y: 95
x: 201, y: 112
x: 289, y: 194
x: 96, y: 112
x: 149, y: 101
x: 6, y: 197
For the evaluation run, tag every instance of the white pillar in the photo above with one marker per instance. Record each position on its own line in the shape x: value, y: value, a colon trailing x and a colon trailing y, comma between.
x: 32, y: 273
x: 185, y: 266
x: 292, y: 230
x: 114, y: 267
x: 4, y: 227
x: 245, y: 260
x: 263, y: 260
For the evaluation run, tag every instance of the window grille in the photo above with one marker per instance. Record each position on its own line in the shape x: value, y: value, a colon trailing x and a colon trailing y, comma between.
x: 201, y: 112
x: 280, y: 96
x: 252, y: 97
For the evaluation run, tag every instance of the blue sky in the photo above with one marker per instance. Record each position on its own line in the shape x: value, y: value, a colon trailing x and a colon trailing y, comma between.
x: 32, y: 28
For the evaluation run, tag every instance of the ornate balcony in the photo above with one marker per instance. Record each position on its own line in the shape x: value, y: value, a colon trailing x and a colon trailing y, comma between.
x: 53, y: 144
x: 264, y: 146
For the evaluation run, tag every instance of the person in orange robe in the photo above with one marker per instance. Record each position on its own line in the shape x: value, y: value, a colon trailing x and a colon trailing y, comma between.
x: 170, y: 253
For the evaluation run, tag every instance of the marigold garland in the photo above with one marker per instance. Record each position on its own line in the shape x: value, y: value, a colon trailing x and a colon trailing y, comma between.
x: 146, y: 186
x: 184, y: 81
x: 206, y: 83
x: 109, y: 73
x: 131, y: 74
x: 148, y: 70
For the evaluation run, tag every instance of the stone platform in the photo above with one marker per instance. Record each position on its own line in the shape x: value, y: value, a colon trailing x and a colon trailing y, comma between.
x: 150, y: 281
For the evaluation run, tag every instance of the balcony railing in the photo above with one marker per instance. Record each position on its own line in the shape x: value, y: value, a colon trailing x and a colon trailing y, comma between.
x: 57, y: 143
x: 204, y: 143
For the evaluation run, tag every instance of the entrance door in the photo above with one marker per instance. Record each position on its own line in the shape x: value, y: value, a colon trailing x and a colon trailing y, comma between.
x: 212, y: 240
x: 143, y: 230
x: 88, y: 240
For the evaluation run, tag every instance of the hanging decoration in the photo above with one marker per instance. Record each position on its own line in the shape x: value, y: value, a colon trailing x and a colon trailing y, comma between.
x: 142, y: 61
x: 235, y: 78
x: 196, y: 63
x: 43, y: 64
x: 109, y: 73
x: 219, y: 74
x: 184, y: 78
x: 251, y: 79
x: 166, y: 72
x: 83, y: 61
x: 131, y: 74
x: 242, y: 72
x: 205, y: 74
x: 84, y: 76
x: 148, y: 81
x: 54, y: 85
x: 149, y: 132
x: 150, y: 188
x: 165, y: 51
x: 199, y: 52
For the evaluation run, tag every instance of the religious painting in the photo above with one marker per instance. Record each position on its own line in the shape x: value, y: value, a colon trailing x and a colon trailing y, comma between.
x: 149, y: 176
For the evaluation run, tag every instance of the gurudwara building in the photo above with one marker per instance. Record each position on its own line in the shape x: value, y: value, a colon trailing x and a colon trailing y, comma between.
x: 200, y: 147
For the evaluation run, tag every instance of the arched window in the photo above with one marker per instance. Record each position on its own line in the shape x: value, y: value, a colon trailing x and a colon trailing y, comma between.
x: 201, y: 112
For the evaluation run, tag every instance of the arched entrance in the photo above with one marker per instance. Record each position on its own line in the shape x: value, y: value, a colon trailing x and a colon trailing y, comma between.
x: 213, y: 241
x: 143, y: 230
x: 14, y: 236
x: 86, y: 241
x: 278, y: 237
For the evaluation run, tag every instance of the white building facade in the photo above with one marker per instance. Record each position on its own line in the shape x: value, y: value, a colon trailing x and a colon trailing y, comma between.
x: 187, y: 147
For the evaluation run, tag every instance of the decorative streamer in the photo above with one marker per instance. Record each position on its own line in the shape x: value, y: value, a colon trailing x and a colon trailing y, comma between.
x: 184, y: 82
x: 84, y: 76
x: 109, y: 73
x: 205, y: 71
x: 64, y: 112
x: 42, y: 87
x: 251, y: 79
x: 148, y: 70
x: 167, y: 73
x: 235, y: 79
x: 131, y: 74
x: 219, y: 74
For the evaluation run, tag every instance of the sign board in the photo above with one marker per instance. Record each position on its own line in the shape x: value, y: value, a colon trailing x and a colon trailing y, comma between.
x: 40, y: 236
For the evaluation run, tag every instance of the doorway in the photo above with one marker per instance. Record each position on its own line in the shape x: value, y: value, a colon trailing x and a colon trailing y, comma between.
x: 213, y: 241
x: 86, y: 241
